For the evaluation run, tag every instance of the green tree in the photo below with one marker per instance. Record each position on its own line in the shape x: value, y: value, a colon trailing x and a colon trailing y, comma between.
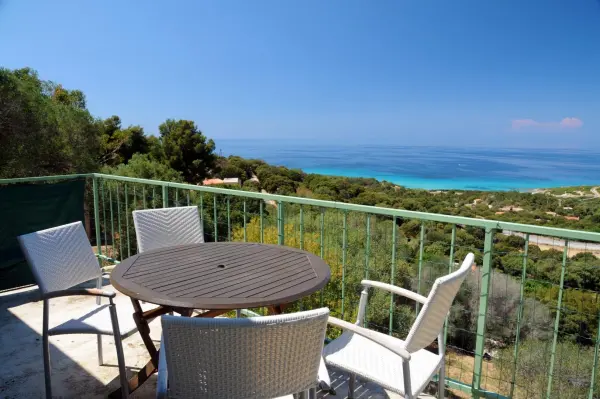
x: 135, y: 143
x: 187, y: 150
x: 42, y: 133
x: 144, y: 167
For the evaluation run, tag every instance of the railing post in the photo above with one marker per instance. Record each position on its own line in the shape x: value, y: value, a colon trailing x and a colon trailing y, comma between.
x: 322, y: 242
x: 367, y: 246
x: 367, y: 256
x: 97, y: 228
x: 393, y: 274
x: 557, y: 320
x: 486, y: 274
x: 344, y: 256
x: 165, y: 195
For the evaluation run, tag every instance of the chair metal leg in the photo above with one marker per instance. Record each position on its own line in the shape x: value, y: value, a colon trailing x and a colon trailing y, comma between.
x: 46, y: 351
x: 238, y: 313
x: 100, y: 355
x: 351, y: 386
x: 442, y: 381
x: 312, y: 393
x: 120, y: 356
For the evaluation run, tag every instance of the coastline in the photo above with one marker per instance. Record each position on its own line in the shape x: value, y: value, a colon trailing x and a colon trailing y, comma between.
x: 430, y: 184
x: 431, y: 168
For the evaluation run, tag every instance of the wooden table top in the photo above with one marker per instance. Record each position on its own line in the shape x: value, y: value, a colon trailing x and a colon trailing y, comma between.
x: 221, y: 275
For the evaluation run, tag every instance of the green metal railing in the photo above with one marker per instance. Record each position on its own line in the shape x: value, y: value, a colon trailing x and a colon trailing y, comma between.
x: 510, y: 334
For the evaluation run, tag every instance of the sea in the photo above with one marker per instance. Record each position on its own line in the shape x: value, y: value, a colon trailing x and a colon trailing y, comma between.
x: 431, y: 168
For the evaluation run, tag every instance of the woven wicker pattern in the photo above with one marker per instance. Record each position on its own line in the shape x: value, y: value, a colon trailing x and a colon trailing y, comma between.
x: 359, y: 355
x: 60, y: 257
x: 431, y: 318
x: 164, y: 227
x: 260, y: 357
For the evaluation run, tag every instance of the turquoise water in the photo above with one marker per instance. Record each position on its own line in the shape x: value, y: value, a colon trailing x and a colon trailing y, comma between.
x: 431, y: 167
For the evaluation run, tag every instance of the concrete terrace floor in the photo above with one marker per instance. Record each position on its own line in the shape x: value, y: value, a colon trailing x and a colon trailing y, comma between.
x: 75, y: 369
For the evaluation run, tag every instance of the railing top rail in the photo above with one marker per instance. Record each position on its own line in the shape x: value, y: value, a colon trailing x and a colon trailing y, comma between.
x: 44, y: 178
x: 433, y: 217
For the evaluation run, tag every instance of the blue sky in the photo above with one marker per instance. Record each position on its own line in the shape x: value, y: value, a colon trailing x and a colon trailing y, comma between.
x: 491, y: 73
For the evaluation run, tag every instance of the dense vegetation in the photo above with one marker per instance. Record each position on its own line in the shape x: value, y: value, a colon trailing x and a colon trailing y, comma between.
x: 46, y: 129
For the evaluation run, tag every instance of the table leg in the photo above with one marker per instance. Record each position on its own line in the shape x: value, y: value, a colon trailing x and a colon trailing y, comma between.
x: 276, y: 309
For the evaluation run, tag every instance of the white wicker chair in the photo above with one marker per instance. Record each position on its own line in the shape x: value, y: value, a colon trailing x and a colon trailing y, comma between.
x: 60, y: 258
x: 403, y: 367
x: 165, y: 227
x: 257, y: 357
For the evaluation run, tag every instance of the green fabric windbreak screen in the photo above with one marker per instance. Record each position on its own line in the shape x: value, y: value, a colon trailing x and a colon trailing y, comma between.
x: 25, y: 208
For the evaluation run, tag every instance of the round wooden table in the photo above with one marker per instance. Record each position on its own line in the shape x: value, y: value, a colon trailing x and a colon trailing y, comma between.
x: 216, y: 277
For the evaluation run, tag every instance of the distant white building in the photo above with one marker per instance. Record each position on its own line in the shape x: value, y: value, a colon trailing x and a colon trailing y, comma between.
x: 232, y: 180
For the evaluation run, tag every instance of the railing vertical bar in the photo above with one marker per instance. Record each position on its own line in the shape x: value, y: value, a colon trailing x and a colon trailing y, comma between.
x: 202, y: 209
x: 261, y: 217
x: 144, y: 197
x: 519, y: 317
x: 450, y: 269
x: 112, y: 225
x: 322, y: 245
x: 486, y: 274
x: 280, y: 224
x: 127, y: 220
x: 344, y: 256
x: 153, y: 197
x: 119, y: 223
x: 97, y: 227
x: 420, y: 272
x: 228, y: 218
x: 245, y: 227
x: 393, y: 272
x: 187, y: 194
x: 301, y: 227
x: 165, y: 196
x: 215, y: 217
x: 176, y: 197
x: 134, y: 208
x: 134, y: 199
x: 104, y: 217
x: 367, y: 256
x: 557, y: 320
x: 367, y: 246
x: 595, y: 367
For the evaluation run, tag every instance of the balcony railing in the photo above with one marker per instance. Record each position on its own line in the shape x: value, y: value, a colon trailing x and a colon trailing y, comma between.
x: 525, y: 324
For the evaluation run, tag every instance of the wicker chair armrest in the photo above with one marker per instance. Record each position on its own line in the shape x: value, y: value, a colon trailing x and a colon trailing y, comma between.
x: 80, y: 291
x: 395, y: 290
x: 386, y: 341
